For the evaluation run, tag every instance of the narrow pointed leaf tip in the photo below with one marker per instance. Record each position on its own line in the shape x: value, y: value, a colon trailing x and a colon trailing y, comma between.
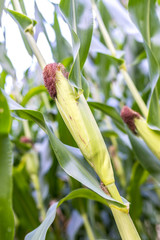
x: 128, y: 116
x: 49, y: 76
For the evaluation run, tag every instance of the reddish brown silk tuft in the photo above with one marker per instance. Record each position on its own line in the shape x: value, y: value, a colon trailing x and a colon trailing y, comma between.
x: 128, y: 116
x: 49, y: 76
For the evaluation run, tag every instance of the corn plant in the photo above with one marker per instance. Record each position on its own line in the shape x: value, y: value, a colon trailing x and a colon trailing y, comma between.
x: 80, y: 136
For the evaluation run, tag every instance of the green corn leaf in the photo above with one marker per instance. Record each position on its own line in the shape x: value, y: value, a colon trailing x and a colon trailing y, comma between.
x: 62, y: 50
x: 24, y: 24
x: 23, y: 202
x: 32, y: 92
x: 40, y: 232
x: 98, y: 47
x: 78, y: 15
x: 71, y: 165
x: 6, y: 158
x: 139, y: 176
x: 110, y: 111
x: 143, y: 14
x: 22, y: 20
x: 144, y: 155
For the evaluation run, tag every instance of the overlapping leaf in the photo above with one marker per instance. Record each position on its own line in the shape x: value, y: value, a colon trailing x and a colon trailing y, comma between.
x: 78, y: 15
x: 68, y: 162
x: 62, y: 49
x: 40, y: 232
x: 24, y: 23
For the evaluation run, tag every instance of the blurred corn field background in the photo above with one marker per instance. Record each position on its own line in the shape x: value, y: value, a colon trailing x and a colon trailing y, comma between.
x: 111, y: 50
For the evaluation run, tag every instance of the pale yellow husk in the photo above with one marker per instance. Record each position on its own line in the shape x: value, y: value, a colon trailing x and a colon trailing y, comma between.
x: 150, y: 137
x: 83, y: 127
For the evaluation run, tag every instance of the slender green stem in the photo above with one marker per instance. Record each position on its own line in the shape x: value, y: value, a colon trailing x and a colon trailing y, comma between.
x: 31, y: 40
x: 126, y: 76
x: 104, y: 31
x: 134, y: 92
x: 86, y: 221
x: 87, y: 226
x: 27, y: 131
x: 35, y: 49
x: 40, y: 204
x: 46, y: 102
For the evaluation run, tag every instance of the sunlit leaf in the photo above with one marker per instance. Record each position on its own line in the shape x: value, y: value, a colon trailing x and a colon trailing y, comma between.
x: 78, y: 15
x: 23, y: 21
x: 62, y: 49
x: 25, y: 24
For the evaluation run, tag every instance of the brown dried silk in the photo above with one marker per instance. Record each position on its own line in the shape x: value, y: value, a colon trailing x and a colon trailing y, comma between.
x: 128, y: 116
x: 49, y: 76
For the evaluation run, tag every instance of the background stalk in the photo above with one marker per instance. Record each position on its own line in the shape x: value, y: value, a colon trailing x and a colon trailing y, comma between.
x: 123, y: 70
x: 134, y: 91
x: 104, y: 31
x: 87, y: 224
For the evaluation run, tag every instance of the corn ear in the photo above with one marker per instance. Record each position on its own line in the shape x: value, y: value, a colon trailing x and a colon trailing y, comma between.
x: 82, y: 125
x: 151, y: 137
x: 139, y: 126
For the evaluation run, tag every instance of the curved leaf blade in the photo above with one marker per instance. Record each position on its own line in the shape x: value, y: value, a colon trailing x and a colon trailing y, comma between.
x: 144, y: 155
x: 6, y: 158
x: 23, y: 21
x: 40, y: 232
x: 32, y: 92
